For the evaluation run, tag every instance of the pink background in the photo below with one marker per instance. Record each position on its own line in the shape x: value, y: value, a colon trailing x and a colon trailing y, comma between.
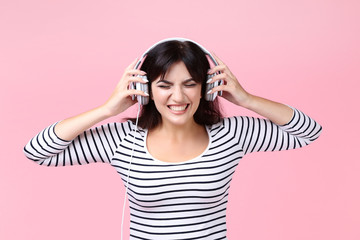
x: 61, y: 57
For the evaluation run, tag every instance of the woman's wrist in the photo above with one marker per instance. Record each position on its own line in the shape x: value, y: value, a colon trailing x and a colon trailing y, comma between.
x: 105, y: 112
x: 246, y: 101
x: 69, y: 128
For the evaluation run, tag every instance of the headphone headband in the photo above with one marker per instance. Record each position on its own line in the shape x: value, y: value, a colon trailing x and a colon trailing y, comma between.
x: 145, y: 88
x: 180, y: 40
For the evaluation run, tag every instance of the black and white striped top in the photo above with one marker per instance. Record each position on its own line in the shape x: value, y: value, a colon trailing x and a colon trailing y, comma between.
x: 185, y: 200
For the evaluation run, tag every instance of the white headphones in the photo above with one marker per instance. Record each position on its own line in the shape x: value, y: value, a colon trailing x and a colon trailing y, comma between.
x: 145, y: 88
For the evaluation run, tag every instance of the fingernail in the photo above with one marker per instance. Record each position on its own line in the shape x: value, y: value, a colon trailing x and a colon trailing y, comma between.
x: 146, y: 94
x: 209, y: 71
x: 209, y: 92
x: 145, y: 80
x: 210, y: 79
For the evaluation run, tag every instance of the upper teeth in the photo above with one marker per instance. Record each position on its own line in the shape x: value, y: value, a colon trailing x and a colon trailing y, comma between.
x: 178, y: 108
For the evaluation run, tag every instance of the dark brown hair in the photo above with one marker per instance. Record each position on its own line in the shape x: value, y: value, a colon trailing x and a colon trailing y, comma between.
x: 157, y: 62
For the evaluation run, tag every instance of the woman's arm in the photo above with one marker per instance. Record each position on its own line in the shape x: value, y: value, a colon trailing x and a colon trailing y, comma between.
x: 283, y: 127
x: 276, y: 112
x: 93, y: 145
x: 259, y: 134
x: 119, y: 101
x: 70, y: 141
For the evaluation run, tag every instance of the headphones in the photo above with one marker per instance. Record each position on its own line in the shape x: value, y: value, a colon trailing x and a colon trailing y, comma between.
x: 145, y: 88
x: 145, y: 100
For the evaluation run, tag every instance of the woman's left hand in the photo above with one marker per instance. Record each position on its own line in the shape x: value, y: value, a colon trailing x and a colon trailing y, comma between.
x: 232, y: 90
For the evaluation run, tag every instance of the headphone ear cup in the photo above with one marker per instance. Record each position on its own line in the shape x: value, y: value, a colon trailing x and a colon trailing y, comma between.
x: 209, y: 86
x: 142, y: 87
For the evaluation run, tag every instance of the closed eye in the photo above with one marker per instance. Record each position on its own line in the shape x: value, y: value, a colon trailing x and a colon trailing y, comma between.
x: 164, y: 86
x: 191, y: 85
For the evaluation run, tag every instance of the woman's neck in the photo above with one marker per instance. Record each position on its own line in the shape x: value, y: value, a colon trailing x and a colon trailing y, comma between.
x: 178, y: 132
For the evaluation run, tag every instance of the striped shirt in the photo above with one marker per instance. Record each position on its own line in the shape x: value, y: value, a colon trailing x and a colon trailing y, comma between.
x: 184, y: 200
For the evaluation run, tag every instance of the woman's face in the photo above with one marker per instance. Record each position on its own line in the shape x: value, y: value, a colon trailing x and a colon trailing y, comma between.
x: 177, y: 96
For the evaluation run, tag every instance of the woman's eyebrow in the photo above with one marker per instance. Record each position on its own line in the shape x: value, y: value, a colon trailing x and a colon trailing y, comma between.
x: 163, y: 81
x: 189, y: 80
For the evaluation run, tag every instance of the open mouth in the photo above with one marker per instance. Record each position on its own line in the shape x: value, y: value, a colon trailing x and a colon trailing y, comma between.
x: 178, y: 108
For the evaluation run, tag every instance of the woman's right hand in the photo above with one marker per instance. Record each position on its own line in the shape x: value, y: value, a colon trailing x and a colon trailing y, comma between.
x: 121, y: 98
x: 119, y: 101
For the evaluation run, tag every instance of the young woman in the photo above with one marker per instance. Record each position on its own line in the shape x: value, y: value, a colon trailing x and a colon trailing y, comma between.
x: 180, y: 161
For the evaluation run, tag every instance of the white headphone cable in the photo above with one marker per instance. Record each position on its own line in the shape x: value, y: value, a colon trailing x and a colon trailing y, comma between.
x: 127, y: 179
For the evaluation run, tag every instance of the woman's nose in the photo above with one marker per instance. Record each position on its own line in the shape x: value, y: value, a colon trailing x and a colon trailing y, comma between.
x: 178, y: 94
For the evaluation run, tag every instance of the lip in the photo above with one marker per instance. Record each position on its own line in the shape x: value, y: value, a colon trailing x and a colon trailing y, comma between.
x: 178, y: 107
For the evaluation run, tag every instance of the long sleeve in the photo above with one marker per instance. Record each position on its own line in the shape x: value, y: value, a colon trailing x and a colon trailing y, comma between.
x: 257, y: 134
x: 94, y: 145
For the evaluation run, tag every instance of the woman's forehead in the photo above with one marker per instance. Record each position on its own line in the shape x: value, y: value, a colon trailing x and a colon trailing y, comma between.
x: 177, y: 70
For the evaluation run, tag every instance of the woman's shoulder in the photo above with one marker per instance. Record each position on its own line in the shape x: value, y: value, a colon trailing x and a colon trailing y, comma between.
x: 126, y: 127
x: 226, y: 120
x: 225, y: 124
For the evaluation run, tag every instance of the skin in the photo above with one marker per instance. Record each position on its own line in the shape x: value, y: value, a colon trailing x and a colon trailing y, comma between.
x: 178, y: 138
x: 235, y: 93
x: 176, y: 90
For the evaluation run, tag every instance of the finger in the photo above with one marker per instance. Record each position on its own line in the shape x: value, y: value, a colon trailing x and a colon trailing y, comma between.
x: 138, y: 79
x: 132, y: 92
x: 218, y: 68
x: 221, y: 65
x: 217, y: 77
x: 222, y: 69
x: 132, y: 72
x: 225, y: 76
x: 217, y: 89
